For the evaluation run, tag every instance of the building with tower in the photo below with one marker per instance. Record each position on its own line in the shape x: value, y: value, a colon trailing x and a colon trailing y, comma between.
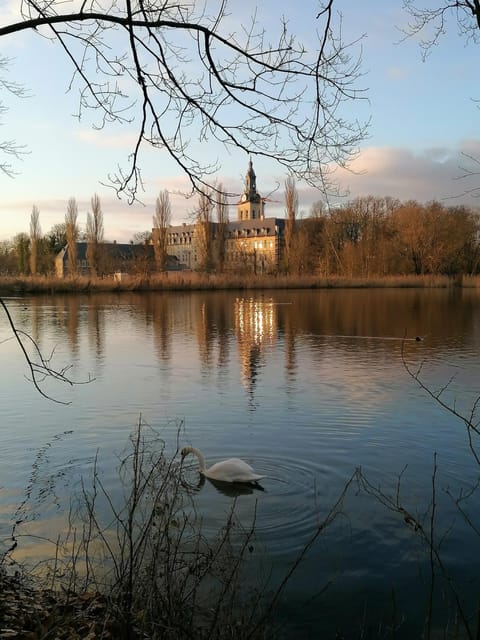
x: 252, y: 243
x: 251, y: 205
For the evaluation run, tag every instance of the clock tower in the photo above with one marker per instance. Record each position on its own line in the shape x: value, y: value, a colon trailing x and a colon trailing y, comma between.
x: 251, y: 205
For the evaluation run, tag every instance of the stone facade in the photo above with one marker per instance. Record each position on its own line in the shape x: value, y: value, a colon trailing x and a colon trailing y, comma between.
x: 252, y: 243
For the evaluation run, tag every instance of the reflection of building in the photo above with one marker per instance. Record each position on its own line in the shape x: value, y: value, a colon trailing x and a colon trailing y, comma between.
x: 256, y: 326
x: 252, y: 242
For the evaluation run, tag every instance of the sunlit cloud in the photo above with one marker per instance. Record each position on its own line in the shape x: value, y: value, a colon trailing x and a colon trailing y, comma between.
x: 426, y: 175
x: 121, y: 221
x: 471, y: 147
x: 10, y: 12
x: 101, y: 139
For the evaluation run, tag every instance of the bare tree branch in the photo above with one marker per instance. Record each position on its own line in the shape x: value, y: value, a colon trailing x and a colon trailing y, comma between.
x: 9, y: 147
x: 471, y: 420
x: 432, y: 22
x: 39, y: 366
x: 182, y: 75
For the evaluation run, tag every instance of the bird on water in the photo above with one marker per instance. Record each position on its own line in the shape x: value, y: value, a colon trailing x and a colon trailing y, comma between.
x: 231, y: 470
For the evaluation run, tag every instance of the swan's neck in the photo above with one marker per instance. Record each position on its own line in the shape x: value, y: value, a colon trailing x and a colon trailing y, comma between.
x: 201, y: 459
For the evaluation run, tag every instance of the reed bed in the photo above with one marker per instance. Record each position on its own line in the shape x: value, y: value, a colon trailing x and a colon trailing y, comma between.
x: 194, y: 281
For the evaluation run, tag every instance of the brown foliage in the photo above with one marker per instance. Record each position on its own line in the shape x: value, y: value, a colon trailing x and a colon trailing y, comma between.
x: 381, y: 236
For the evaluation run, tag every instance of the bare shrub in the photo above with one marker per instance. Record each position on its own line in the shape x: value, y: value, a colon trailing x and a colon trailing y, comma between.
x: 134, y: 561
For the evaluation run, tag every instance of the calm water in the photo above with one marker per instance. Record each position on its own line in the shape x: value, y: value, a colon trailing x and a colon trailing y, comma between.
x: 307, y: 387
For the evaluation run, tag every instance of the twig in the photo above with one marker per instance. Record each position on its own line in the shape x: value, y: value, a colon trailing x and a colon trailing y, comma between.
x: 41, y: 369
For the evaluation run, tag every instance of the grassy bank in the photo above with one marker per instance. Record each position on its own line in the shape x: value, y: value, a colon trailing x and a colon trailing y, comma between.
x: 192, y: 281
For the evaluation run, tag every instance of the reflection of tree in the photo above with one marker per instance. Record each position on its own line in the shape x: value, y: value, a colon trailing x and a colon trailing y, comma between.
x: 380, y: 313
x: 290, y: 351
x: 66, y: 314
x: 96, y: 328
x: 36, y: 322
x: 73, y: 311
x: 223, y: 328
x: 40, y: 366
x: 162, y: 324
x: 256, y: 326
x: 67, y: 311
x: 203, y: 329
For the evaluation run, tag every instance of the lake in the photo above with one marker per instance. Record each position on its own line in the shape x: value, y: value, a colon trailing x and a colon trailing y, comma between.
x: 306, y: 386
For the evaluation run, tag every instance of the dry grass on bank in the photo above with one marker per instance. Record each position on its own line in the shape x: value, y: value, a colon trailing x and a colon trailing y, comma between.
x: 193, y: 281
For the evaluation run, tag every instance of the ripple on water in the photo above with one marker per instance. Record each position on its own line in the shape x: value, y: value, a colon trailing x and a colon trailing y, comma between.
x: 292, y: 501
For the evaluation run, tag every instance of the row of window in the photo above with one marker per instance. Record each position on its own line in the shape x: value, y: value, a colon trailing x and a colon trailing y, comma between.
x: 264, y: 231
x: 186, y: 237
x: 181, y: 240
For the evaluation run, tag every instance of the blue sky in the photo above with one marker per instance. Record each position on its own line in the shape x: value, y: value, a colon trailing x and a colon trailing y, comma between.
x: 423, y: 115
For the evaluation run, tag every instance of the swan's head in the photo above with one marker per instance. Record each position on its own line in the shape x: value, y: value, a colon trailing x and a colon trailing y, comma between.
x: 185, y: 451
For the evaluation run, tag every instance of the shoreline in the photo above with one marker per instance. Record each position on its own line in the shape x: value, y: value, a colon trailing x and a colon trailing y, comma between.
x: 192, y: 281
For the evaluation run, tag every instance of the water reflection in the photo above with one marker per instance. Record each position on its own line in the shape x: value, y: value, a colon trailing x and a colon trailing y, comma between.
x: 322, y: 369
x: 158, y: 310
x: 255, y: 328
x: 228, y: 489
x: 233, y: 490
x: 223, y: 324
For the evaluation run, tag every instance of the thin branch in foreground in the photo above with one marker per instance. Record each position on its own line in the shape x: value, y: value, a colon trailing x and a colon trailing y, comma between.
x: 426, y: 535
x: 39, y: 369
x: 470, y: 421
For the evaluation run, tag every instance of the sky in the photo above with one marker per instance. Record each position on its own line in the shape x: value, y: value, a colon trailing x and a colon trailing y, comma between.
x: 424, y: 118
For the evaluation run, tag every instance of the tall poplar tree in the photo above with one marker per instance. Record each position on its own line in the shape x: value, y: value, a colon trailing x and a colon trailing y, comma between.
x: 161, y: 220
x: 35, y: 236
x: 95, y: 236
x: 71, y: 230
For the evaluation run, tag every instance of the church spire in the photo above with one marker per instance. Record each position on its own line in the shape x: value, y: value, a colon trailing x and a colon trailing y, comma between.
x: 251, y: 204
x: 250, y: 181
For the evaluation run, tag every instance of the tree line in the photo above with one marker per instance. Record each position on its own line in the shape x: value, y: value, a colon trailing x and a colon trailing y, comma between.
x: 368, y: 236
x: 372, y: 236
x: 34, y: 253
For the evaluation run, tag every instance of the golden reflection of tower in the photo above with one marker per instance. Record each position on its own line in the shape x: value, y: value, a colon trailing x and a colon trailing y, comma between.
x: 256, y: 327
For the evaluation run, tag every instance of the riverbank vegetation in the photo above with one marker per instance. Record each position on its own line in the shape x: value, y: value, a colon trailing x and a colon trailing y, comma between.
x: 371, y: 240
x: 373, y: 236
x: 193, y: 281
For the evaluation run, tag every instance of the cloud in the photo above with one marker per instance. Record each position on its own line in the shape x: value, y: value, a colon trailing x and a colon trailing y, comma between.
x: 433, y: 173
x: 121, y: 221
x: 100, y: 138
x: 10, y: 12
x: 471, y: 147
x: 422, y: 175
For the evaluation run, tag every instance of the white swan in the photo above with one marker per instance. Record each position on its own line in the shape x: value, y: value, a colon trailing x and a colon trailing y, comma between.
x: 231, y: 470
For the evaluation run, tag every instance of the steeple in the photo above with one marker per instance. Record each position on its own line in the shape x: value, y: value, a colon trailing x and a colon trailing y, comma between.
x: 251, y: 181
x: 251, y: 203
